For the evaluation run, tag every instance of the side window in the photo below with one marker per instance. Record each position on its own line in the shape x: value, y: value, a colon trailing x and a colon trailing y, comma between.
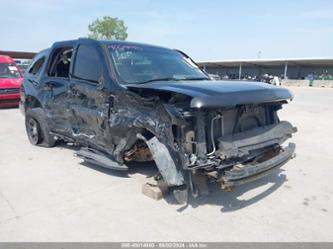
x: 36, y: 67
x: 88, y: 65
x: 60, y: 62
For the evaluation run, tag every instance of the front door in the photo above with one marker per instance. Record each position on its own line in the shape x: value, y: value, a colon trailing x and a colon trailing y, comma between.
x: 89, y: 102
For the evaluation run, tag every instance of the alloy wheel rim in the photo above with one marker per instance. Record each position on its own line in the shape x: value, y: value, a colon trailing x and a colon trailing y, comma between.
x: 33, y: 130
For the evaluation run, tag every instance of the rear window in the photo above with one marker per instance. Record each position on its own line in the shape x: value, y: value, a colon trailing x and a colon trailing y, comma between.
x: 36, y: 67
x: 8, y: 70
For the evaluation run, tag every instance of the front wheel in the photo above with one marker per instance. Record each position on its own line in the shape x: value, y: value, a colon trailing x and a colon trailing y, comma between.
x: 36, y: 128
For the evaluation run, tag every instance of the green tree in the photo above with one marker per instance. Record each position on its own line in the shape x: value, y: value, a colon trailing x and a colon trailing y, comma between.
x: 108, y: 28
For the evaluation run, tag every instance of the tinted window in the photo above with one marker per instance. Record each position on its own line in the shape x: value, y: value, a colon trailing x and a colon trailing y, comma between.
x: 88, y: 65
x: 36, y: 67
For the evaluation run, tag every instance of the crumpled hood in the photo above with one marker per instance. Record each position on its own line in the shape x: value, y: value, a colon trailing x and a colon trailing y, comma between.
x: 209, y: 93
x: 10, y: 82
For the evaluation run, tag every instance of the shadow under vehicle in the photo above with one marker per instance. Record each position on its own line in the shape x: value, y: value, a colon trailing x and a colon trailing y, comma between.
x: 124, y: 101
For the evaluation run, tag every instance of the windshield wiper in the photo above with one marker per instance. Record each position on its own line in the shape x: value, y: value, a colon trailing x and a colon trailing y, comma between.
x: 159, y: 79
x: 172, y: 79
x: 196, y: 78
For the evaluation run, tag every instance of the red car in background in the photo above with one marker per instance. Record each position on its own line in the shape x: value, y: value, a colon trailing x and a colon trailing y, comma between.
x: 10, y: 82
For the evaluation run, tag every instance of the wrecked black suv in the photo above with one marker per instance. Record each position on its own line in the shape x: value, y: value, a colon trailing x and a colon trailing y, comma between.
x: 123, y: 101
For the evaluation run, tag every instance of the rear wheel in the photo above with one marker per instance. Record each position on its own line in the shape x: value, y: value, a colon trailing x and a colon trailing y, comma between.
x: 37, y: 129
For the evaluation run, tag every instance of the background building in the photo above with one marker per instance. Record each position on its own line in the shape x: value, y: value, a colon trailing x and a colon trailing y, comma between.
x: 21, y: 58
x: 297, y: 68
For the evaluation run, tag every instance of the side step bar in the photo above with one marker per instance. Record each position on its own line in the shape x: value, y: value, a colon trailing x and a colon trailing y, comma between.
x: 98, y: 158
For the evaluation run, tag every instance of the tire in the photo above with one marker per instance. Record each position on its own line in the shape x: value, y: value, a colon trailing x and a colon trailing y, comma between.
x: 37, y: 129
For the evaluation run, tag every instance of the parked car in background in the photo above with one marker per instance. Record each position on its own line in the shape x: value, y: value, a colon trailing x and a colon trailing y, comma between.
x: 10, y: 82
x: 123, y: 101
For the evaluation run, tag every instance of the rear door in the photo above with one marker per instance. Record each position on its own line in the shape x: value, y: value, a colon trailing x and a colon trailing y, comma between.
x: 54, y: 89
x: 89, y: 101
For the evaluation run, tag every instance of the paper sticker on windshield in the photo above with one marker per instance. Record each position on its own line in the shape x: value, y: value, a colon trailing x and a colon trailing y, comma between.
x: 12, y: 68
x: 126, y: 47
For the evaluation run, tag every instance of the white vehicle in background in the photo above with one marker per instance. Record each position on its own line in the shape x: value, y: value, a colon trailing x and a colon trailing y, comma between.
x: 214, y: 76
x: 276, y: 81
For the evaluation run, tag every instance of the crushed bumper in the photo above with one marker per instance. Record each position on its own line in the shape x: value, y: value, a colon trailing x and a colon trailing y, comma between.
x: 242, y: 144
x: 252, y: 172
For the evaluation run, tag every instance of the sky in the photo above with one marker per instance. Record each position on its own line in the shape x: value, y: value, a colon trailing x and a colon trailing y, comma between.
x: 205, y: 30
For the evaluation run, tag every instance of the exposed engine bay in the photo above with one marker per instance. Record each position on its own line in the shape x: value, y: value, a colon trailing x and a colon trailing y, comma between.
x: 230, y: 146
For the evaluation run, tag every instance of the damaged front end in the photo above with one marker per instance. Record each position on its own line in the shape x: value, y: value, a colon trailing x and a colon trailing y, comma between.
x: 233, y: 146
x: 230, y: 145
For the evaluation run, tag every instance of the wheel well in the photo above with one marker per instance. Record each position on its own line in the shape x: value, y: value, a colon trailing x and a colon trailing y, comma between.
x: 32, y: 102
x: 139, y: 150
